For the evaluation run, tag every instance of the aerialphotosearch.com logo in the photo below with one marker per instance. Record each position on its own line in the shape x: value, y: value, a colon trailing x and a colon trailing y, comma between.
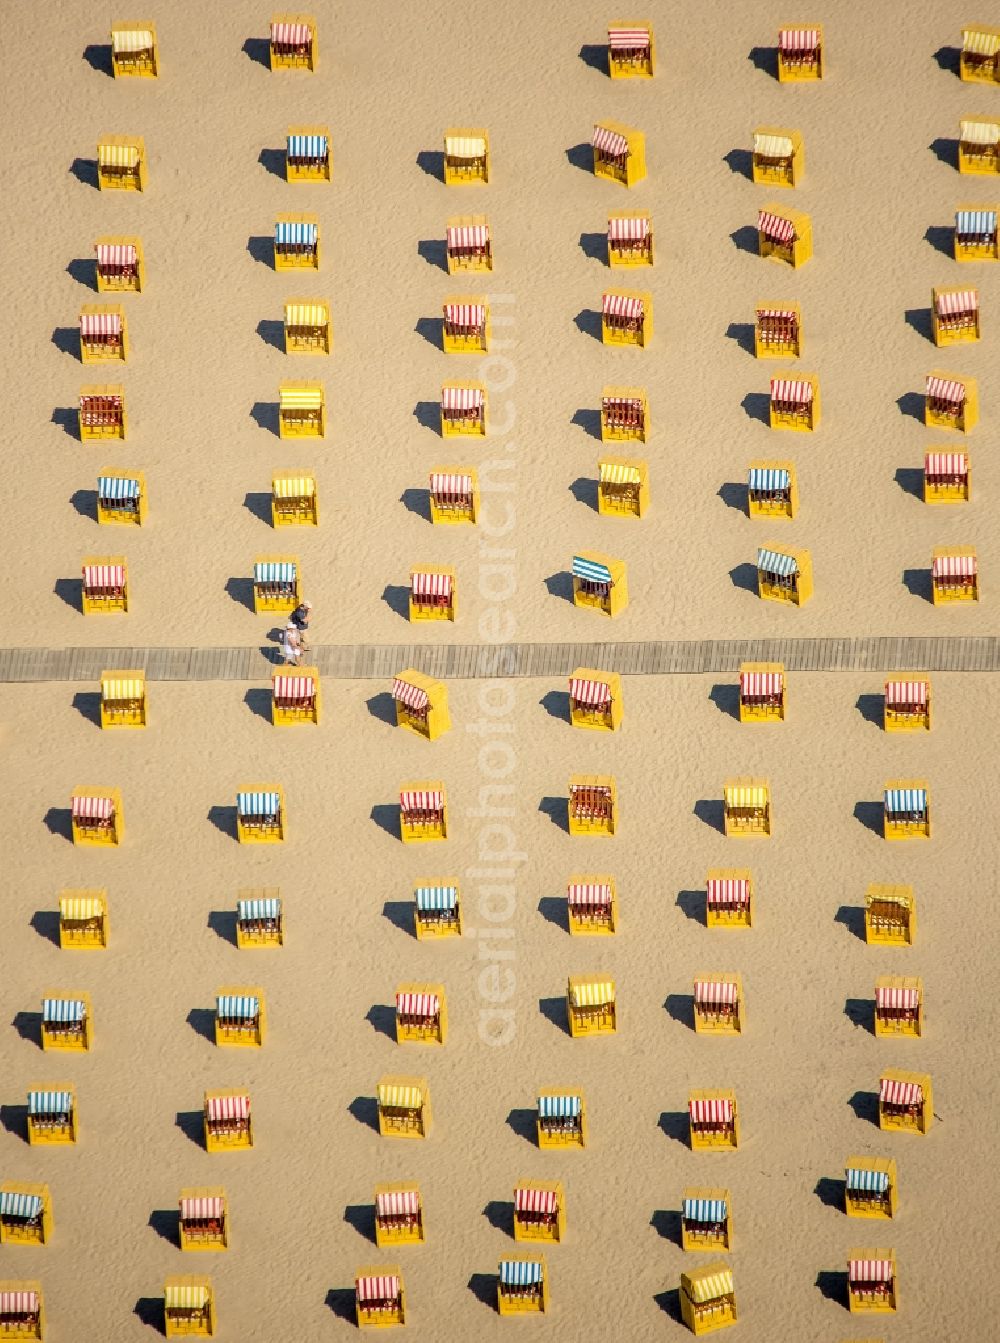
x: 498, y: 857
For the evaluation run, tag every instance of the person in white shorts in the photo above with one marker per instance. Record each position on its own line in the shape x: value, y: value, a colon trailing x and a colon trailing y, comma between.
x: 291, y: 647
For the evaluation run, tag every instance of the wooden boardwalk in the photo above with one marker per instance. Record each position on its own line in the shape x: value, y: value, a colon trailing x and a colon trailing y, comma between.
x: 363, y: 662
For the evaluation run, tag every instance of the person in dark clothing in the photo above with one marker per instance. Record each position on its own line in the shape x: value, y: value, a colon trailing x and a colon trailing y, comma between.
x: 300, y: 618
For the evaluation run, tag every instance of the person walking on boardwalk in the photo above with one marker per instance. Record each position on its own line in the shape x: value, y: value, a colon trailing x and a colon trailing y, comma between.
x: 300, y: 618
x: 291, y: 647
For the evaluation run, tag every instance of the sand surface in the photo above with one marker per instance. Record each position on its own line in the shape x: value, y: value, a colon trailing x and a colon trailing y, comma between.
x: 201, y: 386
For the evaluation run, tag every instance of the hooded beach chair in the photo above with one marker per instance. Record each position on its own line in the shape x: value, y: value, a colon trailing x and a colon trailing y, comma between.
x: 134, y: 50
x: 67, y: 1021
x: 296, y: 242
x: 954, y: 575
x: 399, y: 1215
x: 260, y: 918
x: 630, y: 240
x: 203, y: 1222
x: 260, y: 816
x: 121, y: 163
x: 307, y: 154
x: 22, y: 1310
x: 706, y: 1220
x: 83, y: 919
x: 947, y: 478
x: 437, y: 910
x: 890, y: 915
x: 778, y: 157
x: 777, y: 331
x: 522, y: 1286
x: 906, y: 810
x: 630, y: 50
x: 421, y: 1014
x: 468, y: 244
x: 870, y: 1187
x: 25, y: 1214
x: 103, y: 334
x: 561, y: 1118
x: 951, y: 402
x: 404, y: 1107
x: 292, y: 44
x: 227, y: 1121
x: 295, y: 696
x: 762, y: 692
x: 905, y: 1101
x: 102, y: 413
x: 784, y: 235
x: 121, y: 497
x: 784, y: 574
x: 539, y: 1211
x: 979, y: 59
x: 593, y: 805
x: 52, y: 1114
x: 120, y: 265
x: 188, y: 1307
x: 592, y: 905
x: 123, y: 699
x: 624, y: 414
x: 619, y: 153
x: 239, y: 1017
x: 713, y: 1120
x: 591, y: 1005
x: 729, y: 898
x: 454, y: 494
x: 379, y: 1300
x: 466, y: 157
x: 907, y: 704
x: 423, y: 812
x: 595, y: 699
x: 599, y: 583
x: 96, y: 816
x: 421, y: 704
x: 294, y: 501
x: 871, y: 1280
x: 800, y: 53
x: 746, y: 808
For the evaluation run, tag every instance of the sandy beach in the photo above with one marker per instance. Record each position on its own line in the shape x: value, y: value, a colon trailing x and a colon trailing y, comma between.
x: 301, y: 1200
x: 201, y: 385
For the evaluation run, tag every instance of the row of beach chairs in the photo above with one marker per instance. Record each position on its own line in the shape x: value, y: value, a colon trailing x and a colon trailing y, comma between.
x: 594, y: 697
x: 777, y: 156
x: 707, y: 1294
x: 97, y: 813
x: 421, y: 1012
x: 599, y: 581
x: 469, y: 246
x: 293, y: 44
x: 592, y: 907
